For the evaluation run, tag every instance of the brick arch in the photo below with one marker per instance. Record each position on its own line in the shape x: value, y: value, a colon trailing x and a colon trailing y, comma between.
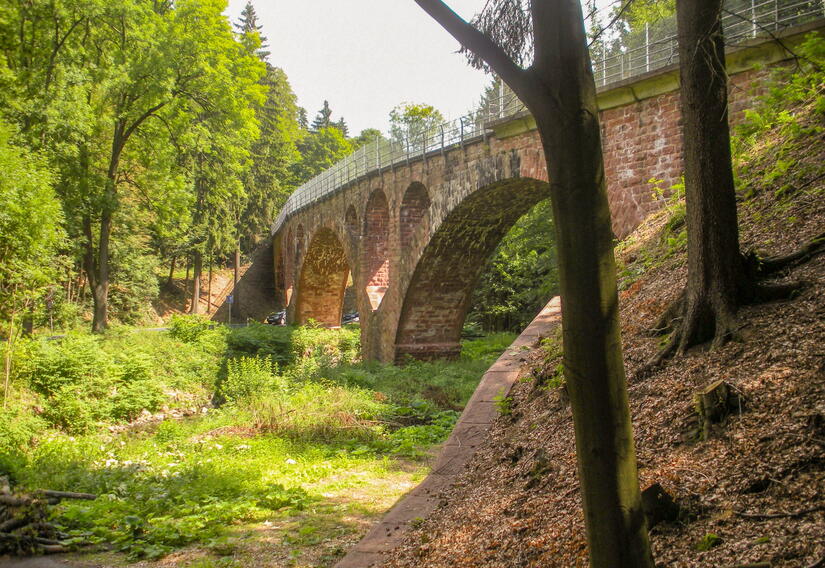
x: 414, y: 208
x: 324, y: 275
x: 376, y: 240
x: 439, y: 293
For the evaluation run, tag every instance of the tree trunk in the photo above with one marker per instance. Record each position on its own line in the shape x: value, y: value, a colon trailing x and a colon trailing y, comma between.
x: 594, y: 369
x: 209, y: 286
x: 197, y: 270
x: 560, y: 91
x: 186, y: 280
x: 100, y: 287
x: 171, y: 272
x: 236, y: 265
x: 716, y: 271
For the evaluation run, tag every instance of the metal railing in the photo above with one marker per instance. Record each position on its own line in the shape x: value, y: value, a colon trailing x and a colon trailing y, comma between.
x: 619, y: 55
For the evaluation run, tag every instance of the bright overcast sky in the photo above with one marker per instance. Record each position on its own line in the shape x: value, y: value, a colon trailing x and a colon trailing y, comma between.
x: 367, y: 56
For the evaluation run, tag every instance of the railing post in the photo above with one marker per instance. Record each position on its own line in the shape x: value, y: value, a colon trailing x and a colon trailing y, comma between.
x: 461, y: 135
x: 647, y: 47
x: 753, y: 18
x: 442, y: 137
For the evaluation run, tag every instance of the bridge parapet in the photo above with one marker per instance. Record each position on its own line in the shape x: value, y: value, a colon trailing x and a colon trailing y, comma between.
x: 631, y: 55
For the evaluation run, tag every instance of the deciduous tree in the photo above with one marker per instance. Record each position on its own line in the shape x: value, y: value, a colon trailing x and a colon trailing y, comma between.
x: 559, y: 90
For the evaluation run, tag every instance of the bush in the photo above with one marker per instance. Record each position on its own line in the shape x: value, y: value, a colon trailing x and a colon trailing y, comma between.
x: 329, y: 347
x: 189, y: 329
x: 262, y: 340
x: 132, y: 398
x: 247, y: 377
x: 71, y: 410
x: 18, y: 426
x: 75, y: 360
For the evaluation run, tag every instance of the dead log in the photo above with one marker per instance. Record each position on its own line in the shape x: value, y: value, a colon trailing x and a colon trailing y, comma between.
x: 67, y: 495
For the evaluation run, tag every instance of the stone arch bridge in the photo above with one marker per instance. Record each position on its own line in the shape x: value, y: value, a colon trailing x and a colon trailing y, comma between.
x: 413, y: 228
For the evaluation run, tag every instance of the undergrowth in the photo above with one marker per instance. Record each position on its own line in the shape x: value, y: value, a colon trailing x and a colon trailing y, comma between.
x: 298, y: 417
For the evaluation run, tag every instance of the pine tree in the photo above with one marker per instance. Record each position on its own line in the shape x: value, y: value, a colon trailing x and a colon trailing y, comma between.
x: 303, y: 121
x: 248, y: 24
x: 342, y: 126
x: 323, y: 118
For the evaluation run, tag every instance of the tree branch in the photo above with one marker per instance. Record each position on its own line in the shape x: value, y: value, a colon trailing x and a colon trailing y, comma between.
x: 139, y: 120
x: 477, y: 42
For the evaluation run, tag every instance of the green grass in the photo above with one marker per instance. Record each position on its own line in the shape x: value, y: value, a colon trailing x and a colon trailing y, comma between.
x: 307, y: 445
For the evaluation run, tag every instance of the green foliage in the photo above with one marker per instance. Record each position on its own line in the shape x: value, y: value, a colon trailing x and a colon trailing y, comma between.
x: 247, y: 377
x: 411, y: 122
x: 272, y: 341
x: 19, y: 426
x: 319, y: 151
x: 189, y: 328
x: 329, y: 346
x: 521, y: 275
x: 30, y: 231
x: 776, y: 127
x: 320, y: 422
x: 504, y: 403
x: 708, y: 541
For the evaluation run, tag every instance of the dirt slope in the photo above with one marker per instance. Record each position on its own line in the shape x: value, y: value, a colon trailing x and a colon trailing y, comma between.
x: 757, y: 485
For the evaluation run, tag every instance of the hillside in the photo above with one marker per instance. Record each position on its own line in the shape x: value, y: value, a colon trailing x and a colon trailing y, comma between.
x: 754, y: 492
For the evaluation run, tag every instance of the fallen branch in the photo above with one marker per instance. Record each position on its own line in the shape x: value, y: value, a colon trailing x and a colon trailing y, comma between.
x: 67, y: 495
x: 780, y: 515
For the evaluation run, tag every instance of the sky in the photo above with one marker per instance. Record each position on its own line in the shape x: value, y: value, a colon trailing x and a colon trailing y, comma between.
x: 367, y: 56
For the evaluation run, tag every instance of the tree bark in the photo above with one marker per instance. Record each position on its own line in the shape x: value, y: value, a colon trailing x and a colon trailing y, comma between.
x: 197, y: 270
x: 716, y: 270
x: 209, y: 286
x: 171, y: 272
x: 560, y: 92
x: 236, y: 275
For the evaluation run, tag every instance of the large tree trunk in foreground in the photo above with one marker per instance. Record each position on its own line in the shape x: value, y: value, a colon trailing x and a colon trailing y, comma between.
x: 716, y: 270
x: 560, y: 92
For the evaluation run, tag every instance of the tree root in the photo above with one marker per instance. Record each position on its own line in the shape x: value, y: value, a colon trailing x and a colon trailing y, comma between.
x: 689, y: 329
x: 760, y: 267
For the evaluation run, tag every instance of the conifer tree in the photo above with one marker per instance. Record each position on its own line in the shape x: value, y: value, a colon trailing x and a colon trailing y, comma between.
x: 248, y: 24
x: 323, y: 119
x: 342, y: 126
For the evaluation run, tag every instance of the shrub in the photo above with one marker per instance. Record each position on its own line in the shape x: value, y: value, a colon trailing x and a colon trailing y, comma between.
x: 74, y: 360
x: 70, y: 410
x: 316, y: 411
x: 132, y: 398
x: 189, y: 329
x: 262, y: 340
x: 247, y: 377
x: 330, y: 347
x: 18, y: 426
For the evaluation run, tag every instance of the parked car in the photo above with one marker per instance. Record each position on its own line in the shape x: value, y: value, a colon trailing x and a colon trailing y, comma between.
x: 278, y: 318
x: 351, y: 317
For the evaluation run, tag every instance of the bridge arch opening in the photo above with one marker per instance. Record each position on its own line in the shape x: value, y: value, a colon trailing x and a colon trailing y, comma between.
x: 440, y: 290
x: 375, y: 248
x: 289, y: 266
x: 414, y: 208
x: 324, y: 275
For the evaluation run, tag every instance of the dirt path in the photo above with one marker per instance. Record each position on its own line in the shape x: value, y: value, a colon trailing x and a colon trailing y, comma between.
x: 469, y: 432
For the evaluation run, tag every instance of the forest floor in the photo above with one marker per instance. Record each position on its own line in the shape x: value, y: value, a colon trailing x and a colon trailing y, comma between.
x: 174, y: 298
x: 755, y: 490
